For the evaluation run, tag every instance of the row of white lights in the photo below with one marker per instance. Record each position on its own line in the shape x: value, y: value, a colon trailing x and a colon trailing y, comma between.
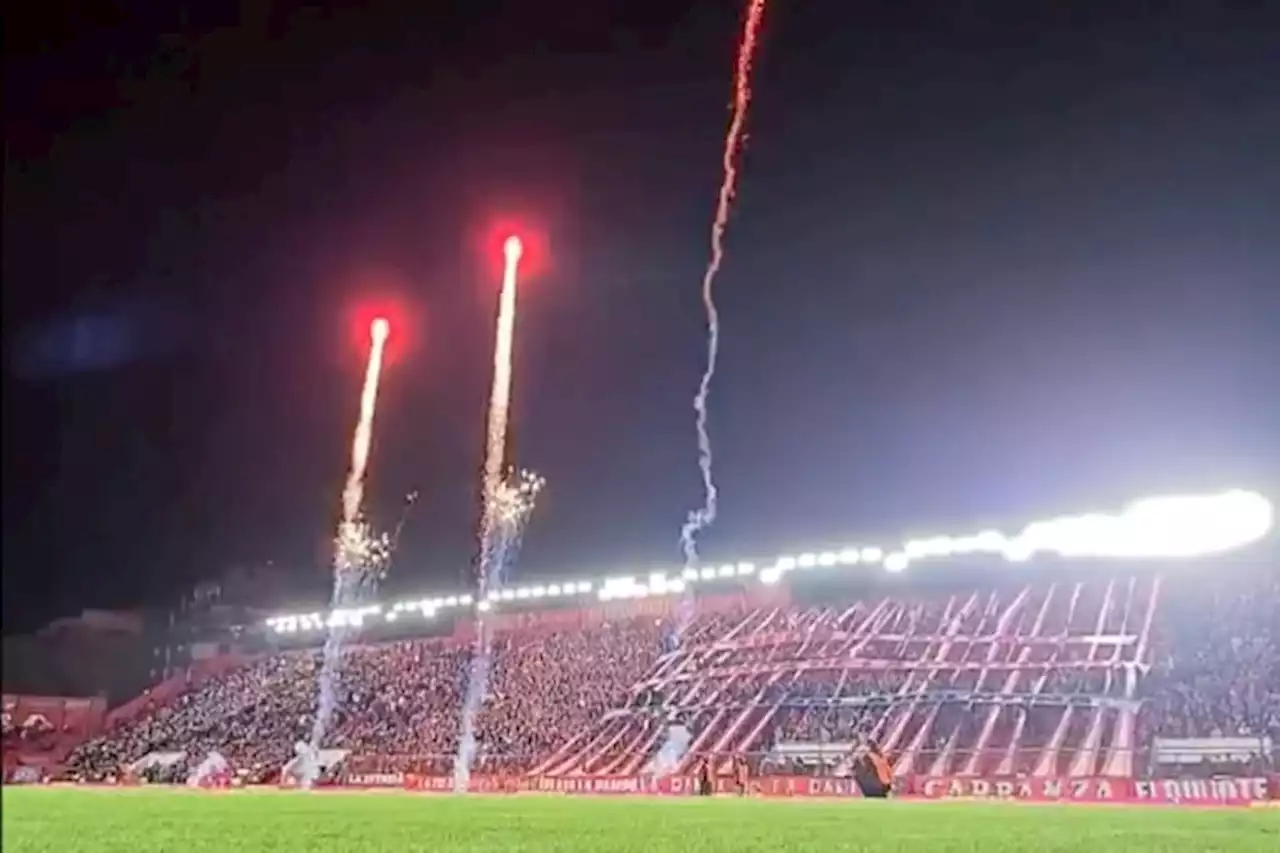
x: 1168, y: 527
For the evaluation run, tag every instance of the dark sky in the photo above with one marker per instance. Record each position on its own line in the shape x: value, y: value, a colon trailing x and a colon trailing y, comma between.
x: 989, y: 261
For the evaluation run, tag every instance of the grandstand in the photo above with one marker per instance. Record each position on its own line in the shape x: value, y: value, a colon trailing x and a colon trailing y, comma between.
x: 1058, y: 665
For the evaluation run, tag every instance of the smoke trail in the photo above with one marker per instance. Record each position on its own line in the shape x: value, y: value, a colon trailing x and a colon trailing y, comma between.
x: 358, y: 553
x: 674, y: 747
x: 478, y: 675
x: 507, y: 513
x: 504, y: 511
x: 700, y: 518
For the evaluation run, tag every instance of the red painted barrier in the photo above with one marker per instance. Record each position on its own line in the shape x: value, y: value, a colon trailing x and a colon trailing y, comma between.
x: 1182, y: 792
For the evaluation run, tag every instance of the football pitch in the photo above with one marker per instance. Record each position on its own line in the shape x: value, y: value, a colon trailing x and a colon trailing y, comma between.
x: 155, y: 820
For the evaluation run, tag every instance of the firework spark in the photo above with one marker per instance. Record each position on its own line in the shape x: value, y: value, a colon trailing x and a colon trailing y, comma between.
x: 500, y: 393
x: 360, y: 555
x: 514, y: 498
x: 353, y: 494
x: 506, y: 504
x: 706, y: 514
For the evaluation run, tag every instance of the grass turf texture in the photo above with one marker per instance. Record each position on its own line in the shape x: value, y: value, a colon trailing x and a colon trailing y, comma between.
x: 178, y: 821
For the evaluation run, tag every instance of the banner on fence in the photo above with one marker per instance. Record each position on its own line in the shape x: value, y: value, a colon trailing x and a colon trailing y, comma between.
x: 1223, y: 792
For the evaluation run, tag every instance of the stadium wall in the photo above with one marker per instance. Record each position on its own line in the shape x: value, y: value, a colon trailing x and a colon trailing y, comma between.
x: 1241, y: 791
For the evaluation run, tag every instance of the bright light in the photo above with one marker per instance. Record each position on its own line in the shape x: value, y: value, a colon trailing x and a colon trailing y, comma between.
x: 1178, y: 526
x: 380, y: 329
x: 512, y: 249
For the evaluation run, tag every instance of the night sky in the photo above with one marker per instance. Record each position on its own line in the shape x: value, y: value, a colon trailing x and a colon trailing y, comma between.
x: 989, y: 261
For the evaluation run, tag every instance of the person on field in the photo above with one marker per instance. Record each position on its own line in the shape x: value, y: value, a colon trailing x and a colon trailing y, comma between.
x: 741, y: 775
x: 705, y: 784
x: 872, y: 771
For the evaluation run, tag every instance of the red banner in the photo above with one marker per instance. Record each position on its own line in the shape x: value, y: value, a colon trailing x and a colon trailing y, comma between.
x: 57, y: 714
x: 1181, y: 792
x: 1087, y: 790
x: 1220, y: 792
x: 1205, y: 792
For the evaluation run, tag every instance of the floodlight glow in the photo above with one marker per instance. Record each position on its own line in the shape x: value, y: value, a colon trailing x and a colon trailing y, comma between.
x: 1168, y: 527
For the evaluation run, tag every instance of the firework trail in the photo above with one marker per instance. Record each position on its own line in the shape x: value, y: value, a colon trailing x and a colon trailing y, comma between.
x: 500, y: 394
x: 510, y: 512
x: 359, y: 553
x: 499, y: 535
x: 733, y: 140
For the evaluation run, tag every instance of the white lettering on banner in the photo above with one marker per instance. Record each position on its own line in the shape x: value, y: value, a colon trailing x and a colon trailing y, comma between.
x: 376, y: 780
x: 590, y: 785
x: 1084, y: 790
x: 1204, y: 791
x: 830, y: 787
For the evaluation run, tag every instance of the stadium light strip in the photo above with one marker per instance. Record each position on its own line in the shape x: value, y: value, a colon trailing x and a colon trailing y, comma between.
x: 1169, y: 527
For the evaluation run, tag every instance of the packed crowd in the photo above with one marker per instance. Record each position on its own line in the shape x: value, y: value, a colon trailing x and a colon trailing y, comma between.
x: 394, y: 699
x: 1217, y: 670
x: 1215, y: 674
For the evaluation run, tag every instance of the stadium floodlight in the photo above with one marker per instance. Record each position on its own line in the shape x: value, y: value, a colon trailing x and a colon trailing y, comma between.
x: 1177, y: 526
x: 896, y: 562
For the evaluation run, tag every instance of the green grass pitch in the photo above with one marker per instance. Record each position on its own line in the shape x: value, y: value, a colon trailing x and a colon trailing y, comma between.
x: 178, y: 821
